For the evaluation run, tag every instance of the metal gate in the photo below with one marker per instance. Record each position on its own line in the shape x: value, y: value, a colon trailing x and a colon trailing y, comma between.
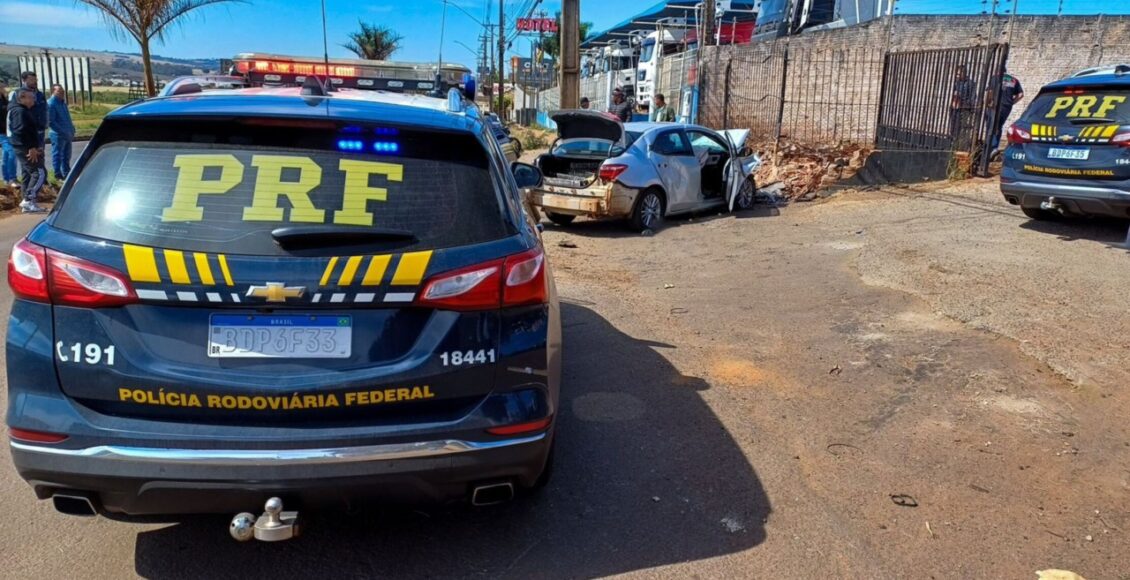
x: 940, y: 101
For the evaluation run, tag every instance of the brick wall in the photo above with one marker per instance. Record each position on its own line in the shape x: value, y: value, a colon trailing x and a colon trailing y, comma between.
x: 834, y: 78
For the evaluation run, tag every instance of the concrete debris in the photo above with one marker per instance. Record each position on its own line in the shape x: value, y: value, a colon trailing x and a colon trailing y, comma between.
x: 805, y: 171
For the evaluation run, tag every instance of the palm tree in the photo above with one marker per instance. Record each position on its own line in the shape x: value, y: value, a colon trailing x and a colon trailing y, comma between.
x: 373, y: 42
x: 144, y: 20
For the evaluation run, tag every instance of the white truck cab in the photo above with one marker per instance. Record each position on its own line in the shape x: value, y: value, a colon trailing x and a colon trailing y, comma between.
x: 653, y: 47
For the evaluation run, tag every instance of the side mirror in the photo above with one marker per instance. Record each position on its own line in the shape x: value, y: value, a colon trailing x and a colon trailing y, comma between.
x: 526, y: 175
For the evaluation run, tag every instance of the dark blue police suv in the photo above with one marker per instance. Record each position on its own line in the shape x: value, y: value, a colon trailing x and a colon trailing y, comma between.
x: 328, y: 297
x: 1069, y: 154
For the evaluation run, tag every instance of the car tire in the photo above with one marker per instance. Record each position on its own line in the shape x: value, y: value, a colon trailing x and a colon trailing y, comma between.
x: 648, y: 211
x: 560, y: 219
x: 1041, y: 215
x: 746, y: 194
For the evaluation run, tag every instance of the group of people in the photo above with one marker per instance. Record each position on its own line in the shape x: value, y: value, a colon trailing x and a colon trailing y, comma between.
x: 622, y: 107
x: 29, y: 120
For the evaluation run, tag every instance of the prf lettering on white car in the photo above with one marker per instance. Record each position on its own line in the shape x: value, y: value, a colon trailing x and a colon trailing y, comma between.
x: 269, y: 187
x: 1084, y: 106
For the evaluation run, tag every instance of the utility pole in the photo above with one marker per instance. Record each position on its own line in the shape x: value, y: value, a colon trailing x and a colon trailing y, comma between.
x: 570, y: 54
x: 501, y: 59
x: 707, y: 24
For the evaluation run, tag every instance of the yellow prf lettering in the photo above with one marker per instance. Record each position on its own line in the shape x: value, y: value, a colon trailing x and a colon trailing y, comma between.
x: 269, y: 187
x: 357, y: 195
x: 1060, y: 104
x: 191, y: 184
x: 1109, y: 103
x: 1083, y: 106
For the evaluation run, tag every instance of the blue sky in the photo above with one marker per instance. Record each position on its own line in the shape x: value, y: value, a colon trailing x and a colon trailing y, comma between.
x: 293, y: 27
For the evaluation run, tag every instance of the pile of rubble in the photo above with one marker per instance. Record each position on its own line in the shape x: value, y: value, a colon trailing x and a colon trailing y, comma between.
x: 10, y: 196
x: 803, y: 171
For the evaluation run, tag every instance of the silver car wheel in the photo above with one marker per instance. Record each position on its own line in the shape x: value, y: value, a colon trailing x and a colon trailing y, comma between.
x: 652, y: 210
x: 746, y: 195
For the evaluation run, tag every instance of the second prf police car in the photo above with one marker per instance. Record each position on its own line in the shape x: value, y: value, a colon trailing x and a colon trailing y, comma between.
x: 325, y: 297
x: 1069, y: 154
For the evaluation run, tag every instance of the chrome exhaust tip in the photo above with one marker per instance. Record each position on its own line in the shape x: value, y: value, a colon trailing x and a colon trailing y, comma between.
x: 492, y: 494
x: 73, y: 505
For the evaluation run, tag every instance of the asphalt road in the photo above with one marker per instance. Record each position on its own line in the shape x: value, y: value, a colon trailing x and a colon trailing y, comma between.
x: 769, y: 395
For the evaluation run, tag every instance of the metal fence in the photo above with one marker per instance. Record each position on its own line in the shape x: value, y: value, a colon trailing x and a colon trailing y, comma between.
x: 936, y: 100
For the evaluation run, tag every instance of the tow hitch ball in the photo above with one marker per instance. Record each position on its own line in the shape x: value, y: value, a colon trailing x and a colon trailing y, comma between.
x: 1051, y: 204
x: 274, y: 525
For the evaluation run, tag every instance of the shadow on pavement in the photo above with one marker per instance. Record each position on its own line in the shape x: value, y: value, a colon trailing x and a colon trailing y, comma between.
x: 1109, y: 231
x: 618, y: 228
x: 646, y: 475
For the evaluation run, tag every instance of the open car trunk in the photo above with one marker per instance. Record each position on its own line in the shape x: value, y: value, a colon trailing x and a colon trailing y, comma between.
x: 585, y: 140
x: 567, y: 171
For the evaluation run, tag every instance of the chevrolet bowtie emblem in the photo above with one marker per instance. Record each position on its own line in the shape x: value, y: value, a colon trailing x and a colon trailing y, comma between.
x: 275, y: 292
x: 1067, y: 138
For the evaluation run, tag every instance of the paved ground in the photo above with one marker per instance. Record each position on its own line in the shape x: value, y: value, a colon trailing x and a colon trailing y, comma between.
x: 743, y: 397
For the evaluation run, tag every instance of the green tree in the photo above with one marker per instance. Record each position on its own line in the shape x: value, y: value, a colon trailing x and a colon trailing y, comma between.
x: 145, y: 20
x: 373, y: 42
x: 551, y: 45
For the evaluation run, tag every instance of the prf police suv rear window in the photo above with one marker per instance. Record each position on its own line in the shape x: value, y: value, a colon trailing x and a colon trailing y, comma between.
x: 226, y: 198
x: 1061, y: 108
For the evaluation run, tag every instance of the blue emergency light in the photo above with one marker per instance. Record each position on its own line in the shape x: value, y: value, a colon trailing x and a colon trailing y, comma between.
x: 350, y: 144
x: 386, y: 146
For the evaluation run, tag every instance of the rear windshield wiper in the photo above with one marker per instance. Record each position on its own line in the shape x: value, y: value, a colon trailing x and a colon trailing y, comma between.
x: 323, y: 236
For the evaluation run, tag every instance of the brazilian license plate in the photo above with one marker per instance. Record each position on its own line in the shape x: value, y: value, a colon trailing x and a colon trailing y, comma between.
x: 1079, y: 154
x: 267, y: 336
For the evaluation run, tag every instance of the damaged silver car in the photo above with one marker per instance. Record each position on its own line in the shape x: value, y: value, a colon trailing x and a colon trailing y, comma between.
x: 601, y: 168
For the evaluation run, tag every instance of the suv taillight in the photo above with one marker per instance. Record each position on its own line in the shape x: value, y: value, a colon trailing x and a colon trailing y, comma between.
x: 1018, y: 136
x: 609, y: 173
x: 41, y: 275
x: 1121, y: 139
x: 513, y: 281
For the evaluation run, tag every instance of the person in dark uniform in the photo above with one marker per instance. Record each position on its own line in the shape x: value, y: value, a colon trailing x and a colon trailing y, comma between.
x: 1000, y: 101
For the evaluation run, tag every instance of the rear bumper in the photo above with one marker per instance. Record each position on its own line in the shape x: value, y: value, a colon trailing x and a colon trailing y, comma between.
x: 152, y: 481
x: 613, y: 201
x: 1110, y: 198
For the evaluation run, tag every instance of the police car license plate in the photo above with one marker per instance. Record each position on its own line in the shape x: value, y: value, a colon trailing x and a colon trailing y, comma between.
x: 261, y: 336
x: 1080, y: 154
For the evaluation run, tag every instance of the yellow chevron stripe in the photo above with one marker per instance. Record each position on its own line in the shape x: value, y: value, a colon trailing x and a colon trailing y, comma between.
x: 410, y: 270
x: 203, y: 269
x: 349, y: 271
x: 1054, y: 130
x: 224, y: 269
x: 140, y: 263
x: 1035, y: 130
x: 329, y: 271
x: 178, y: 272
x: 1109, y: 131
x: 1086, y: 132
x: 376, y: 270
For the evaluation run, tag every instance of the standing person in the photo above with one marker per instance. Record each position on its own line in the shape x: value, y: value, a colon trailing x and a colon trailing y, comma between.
x: 7, y: 154
x: 961, y: 109
x: 621, y: 107
x: 31, y: 82
x: 61, y: 130
x: 1008, y: 92
x: 25, y: 140
x: 660, y: 112
x: 584, y: 102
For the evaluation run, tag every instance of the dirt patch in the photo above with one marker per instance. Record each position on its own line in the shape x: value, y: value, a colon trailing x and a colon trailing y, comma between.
x: 10, y: 197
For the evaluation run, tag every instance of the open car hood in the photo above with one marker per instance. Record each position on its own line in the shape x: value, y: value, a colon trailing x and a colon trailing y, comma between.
x: 736, y: 136
x: 578, y: 123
